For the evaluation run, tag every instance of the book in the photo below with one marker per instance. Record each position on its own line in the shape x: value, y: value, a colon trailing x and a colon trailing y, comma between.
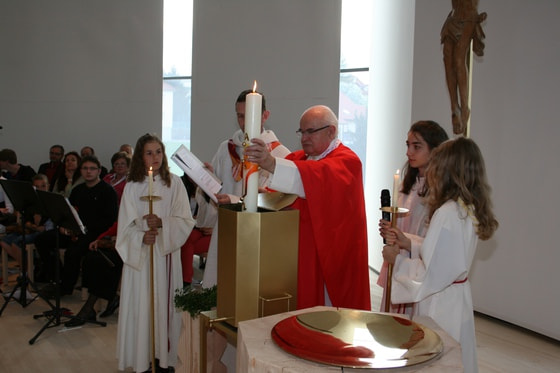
x: 196, y: 170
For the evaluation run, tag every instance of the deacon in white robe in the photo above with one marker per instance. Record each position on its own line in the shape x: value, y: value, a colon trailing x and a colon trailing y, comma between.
x: 134, y: 328
x: 438, y: 279
x: 228, y: 168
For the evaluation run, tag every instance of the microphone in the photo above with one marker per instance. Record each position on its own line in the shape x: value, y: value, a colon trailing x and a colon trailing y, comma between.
x: 385, y: 202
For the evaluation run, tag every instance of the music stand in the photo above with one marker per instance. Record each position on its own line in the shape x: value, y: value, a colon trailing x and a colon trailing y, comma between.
x: 23, y: 197
x: 59, y: 210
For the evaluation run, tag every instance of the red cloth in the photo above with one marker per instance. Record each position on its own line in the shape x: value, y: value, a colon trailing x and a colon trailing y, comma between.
x: 119, y: 188
x: 111, y: 231
x: 197, y: 243
x: 333, y: 232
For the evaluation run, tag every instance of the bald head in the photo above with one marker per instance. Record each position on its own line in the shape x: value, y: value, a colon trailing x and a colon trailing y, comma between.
x: 320, y: 114
x: 318, y: 127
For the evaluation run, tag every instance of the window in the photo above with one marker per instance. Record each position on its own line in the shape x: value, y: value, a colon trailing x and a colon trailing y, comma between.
x: 354, y: 74
x: 177, y: 68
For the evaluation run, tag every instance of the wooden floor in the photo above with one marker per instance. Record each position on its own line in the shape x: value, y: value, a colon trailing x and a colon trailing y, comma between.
x: 91, y: 348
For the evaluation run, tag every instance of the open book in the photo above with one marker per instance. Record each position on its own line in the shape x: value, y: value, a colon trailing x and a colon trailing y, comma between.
x: 195, y: 169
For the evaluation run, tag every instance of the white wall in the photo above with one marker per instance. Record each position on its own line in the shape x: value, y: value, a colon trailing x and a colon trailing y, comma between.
x: 515, y: 123
x: 292, y: 49
x: 78, y: 73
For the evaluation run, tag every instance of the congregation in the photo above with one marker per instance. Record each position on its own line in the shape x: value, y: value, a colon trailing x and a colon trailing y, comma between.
x: 95, y: 192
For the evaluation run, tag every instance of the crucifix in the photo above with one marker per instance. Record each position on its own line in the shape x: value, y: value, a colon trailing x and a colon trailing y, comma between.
x: 461, y: 35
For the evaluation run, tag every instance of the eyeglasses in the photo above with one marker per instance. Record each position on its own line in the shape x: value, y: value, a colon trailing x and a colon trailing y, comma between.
x: 90, y: 168
x: 310, y: 131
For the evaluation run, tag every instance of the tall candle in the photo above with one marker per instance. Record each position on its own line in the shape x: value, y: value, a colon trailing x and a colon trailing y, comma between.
x: 396, y: 182
x: 150, y: 182
x: 253, y: 115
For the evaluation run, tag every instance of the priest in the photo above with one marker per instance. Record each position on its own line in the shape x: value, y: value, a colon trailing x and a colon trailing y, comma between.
x: 327, y: 177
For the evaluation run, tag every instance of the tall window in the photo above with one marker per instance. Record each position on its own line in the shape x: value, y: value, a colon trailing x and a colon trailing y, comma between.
x: 354, y: 74
x: 177, y: 67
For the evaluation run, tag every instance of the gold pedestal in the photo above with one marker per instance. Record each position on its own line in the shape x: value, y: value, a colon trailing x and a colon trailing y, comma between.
x: 257, y: 263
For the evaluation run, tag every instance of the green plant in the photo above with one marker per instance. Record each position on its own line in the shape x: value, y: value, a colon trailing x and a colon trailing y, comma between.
x: 196, y: 300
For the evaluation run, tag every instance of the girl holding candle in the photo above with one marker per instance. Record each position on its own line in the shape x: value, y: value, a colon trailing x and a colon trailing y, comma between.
x: 460, y: 211
x: 166, y: 228
x: 423, y: 137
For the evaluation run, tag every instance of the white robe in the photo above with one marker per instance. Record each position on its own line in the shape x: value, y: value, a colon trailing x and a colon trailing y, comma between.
x: 222, y: 168
x: 134, y: 328
x: 446, y: 257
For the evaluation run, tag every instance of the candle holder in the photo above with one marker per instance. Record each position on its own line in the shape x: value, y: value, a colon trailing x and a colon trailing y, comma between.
x: 395, y: 211
x: 150, y: 199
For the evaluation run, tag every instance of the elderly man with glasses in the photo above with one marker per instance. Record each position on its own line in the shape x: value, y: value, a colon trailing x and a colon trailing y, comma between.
x: 327, y: 177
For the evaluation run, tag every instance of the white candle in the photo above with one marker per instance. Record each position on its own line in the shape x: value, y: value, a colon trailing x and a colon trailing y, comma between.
x: 150, y: 182
x: 396, y: 182
x: 253, y: 116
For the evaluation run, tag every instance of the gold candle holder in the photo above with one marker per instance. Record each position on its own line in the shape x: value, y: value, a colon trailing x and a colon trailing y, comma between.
x: 394, y: 211
x: 150, y: 199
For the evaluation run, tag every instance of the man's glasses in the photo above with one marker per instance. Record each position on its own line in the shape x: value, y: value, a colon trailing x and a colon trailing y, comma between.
x: 90, y: 168
x: 310, y: 131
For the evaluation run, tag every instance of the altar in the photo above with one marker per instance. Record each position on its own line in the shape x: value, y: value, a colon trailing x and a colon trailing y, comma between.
x: 257, y: 352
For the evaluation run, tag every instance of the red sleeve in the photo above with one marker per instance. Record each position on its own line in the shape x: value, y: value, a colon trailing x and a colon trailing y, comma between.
x: 112, y: 231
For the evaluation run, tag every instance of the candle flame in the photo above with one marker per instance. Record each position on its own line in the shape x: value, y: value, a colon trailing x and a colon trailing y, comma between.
x: 255, y: 86
x: 397, y: 172
x: 150, y: 168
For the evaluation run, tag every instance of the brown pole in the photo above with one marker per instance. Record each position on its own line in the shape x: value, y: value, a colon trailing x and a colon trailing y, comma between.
x: 389, y: 281
x: 152, y: 297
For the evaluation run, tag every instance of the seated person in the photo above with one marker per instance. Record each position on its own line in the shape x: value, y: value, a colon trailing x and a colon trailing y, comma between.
x: 71, y: 176
x: 12, y: 169
x: 54, y: 166
x: 199, y: 239
x: 101, y: 274
x: 96, y: 204
x: 34, y: 224
x: 120, y: 162
x: 88, y: 151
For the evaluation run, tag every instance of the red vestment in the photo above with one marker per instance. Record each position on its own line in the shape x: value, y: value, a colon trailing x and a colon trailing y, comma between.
x: 333, y: 232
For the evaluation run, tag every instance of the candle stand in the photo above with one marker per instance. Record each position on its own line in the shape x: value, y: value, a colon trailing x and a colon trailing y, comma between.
x: 150, y: 199
x: 395, y: 212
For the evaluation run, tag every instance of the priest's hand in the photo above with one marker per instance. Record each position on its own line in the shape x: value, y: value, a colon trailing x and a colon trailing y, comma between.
x: 150, y: 237
x: 390, y: 253
x: 258, y: 153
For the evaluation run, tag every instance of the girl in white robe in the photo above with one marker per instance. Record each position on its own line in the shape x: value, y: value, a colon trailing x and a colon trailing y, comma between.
x: 459, y: 209
x: 167, y: 228
x: 423, y: 137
